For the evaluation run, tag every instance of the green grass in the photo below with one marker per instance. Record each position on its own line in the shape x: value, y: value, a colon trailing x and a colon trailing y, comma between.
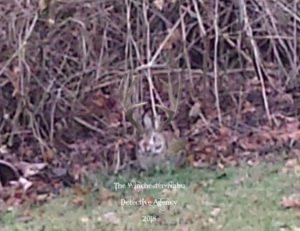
x: 245, y: 198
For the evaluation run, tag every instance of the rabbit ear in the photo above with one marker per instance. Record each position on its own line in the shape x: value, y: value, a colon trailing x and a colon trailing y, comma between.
x: 157, y: 122
x: 147, y: 122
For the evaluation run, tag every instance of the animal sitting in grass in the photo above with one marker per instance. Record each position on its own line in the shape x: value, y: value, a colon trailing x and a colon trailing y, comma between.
x: 156, y: 148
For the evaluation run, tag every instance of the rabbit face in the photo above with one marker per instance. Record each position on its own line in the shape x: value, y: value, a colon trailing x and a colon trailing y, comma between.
x: 151, y: 150
x: 160, y: 150
x: 152, y: 143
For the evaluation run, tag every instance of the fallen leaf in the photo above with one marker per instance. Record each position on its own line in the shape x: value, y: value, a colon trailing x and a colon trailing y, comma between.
x: 159, y: 4
x: 291, y: 163
x: 112, y: 218
x: 150, y: 200
x: 78, y: 201
x: 80, y: 191
x: 290, y: 202
x: 248, y: 107
x: 195, y: 110
x: 175, y: 37
x: 25, y: 183
x: 84, y: 220
x: 3, y: 149
x: 43, y: 4
x: 42, y: 197
x: 106, y: 195
x: 138, y: 190
x: 100, y: 100
x: 211, y: 221
x: 51, y: 21
x: 199, y: 164
x: 25, y: 217
x: 196, y: 188
x: 215, y: 212
x: 168, y: 192
x: 48, y: 155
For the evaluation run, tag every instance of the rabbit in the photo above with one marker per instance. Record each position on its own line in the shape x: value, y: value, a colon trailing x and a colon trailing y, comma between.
x: 157, y: 149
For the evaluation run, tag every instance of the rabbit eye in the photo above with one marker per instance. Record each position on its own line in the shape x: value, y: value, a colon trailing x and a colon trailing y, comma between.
x: 158, y: 147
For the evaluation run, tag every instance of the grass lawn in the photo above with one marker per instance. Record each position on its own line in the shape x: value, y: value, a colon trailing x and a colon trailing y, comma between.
x: 235, y: 199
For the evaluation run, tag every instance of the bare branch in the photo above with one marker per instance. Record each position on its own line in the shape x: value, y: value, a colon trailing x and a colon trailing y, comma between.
x: 125, y: 95
x: 174, y: 104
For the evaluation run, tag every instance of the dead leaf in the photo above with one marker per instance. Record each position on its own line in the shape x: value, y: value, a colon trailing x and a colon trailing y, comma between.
x: 159, y: 4
x: 106, y: 195
x: 48, y: 155
x: 25, y: 217
x: 3, y: 149
x: 291, y: 163
x: 290, y: 202
x: 168, y: 192
x: 215, y: 212
x: 112, y: 218
x: 248, y: 107
x: 199, y: 164
x: 43, y: 5
x: 224, y: 132
x: 26, y: 184
x: 295, y: 152
x: 211, y: 221
x: 51, y: 21
x: 78, y: 201
x: 175, y: 37
x: 196, y: 188
x: 84, y: 220
x: 295, y: 135
x: 256, y: 141
x: 149, y: 200
x: 138, y: 189
x: 80, y: 191
x: 42, y: 197
x: 100, y: 100
x: 195, y: 110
